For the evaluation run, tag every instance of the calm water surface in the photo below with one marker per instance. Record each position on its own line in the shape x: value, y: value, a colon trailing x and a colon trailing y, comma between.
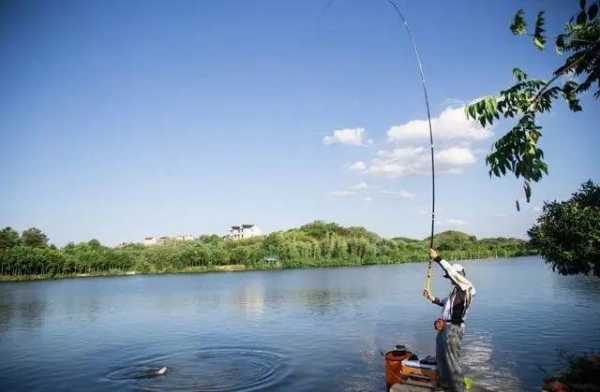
x: 295, y: 330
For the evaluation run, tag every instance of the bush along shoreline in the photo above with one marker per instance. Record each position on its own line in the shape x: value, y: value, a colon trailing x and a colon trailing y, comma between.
x: 581, y: 374
x: 318, y: 244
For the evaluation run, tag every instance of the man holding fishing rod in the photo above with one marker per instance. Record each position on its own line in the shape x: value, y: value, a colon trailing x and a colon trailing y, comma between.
x: 450, y: 325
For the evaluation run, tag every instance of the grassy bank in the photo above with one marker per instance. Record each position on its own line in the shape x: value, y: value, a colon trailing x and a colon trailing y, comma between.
x: 317, y: 244
x: 265, y: 266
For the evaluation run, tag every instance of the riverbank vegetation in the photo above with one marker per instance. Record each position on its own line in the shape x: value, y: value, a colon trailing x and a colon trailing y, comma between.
x: 567, y: 233
x: 318, y: 244
x: 581, y: 374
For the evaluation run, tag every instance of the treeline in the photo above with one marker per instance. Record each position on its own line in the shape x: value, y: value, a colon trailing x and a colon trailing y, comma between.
x: 312, y: 245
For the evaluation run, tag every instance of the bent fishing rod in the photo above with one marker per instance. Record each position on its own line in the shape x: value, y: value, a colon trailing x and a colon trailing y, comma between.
x: 396, y: 8
x: 399, y: 13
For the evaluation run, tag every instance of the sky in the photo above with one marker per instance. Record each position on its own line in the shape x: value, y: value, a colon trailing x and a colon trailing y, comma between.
x: 122, y: 119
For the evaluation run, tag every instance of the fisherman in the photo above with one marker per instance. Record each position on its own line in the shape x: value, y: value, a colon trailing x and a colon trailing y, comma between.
x: 450, y: 325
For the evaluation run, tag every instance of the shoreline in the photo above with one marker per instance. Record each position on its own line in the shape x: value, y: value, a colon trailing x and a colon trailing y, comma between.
x: 276, y: 266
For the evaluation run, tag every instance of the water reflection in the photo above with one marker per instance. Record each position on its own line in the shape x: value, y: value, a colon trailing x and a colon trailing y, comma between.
x: 301, y: 330
x: 485, y: 368
x: 251, y: 299
x: 21, y: 308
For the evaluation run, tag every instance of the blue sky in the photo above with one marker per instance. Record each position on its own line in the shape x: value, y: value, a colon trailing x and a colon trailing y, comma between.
x: 125, y: 119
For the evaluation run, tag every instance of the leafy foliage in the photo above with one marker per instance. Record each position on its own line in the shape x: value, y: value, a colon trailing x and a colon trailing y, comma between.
x: 580, y: 375
x: 518, y: 151
x: 312, y: 245
x: 34, y: 238
x: 567, y: 233
x: 9, y: 238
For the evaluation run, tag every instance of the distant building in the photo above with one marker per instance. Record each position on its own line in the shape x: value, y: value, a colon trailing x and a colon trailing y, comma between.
x: 148, y: 241
x: 184, y: 237
x: 244, y: 231
x: 154, y: 240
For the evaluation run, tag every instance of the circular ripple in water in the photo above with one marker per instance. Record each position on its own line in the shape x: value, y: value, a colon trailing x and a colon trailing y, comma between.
x: 232, y: 369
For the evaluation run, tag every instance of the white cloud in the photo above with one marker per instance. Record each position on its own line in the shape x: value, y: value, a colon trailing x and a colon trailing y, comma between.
x: 350, y: 136
x: 412, y: 160
x: 351, y: 190
x: 343, y: 193
x: 454, y: 222
x: 452, y: 102
x: 455, y: 156
x: 402, y: 194
x: 358, y: 167
x: 451, y: 124
x: 359, y: 187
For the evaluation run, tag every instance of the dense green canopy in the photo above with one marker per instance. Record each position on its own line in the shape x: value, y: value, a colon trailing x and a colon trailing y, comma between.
x: 568, y: 233
x: 312, y: 245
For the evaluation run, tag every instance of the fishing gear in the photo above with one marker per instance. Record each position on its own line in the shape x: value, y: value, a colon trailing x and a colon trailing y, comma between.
x: 399, y: 13
x: 427, y: 285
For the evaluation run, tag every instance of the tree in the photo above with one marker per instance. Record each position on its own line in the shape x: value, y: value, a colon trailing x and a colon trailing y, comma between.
x: 34, y: 237
x: 567, y: 233
x: 518, y: 150
x: 9, y: 238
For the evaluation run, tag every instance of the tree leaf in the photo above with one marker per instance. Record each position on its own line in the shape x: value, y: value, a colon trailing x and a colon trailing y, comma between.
x: 539, y: 39
x: 593, y: 11
x: 560, y: 43
x: 518, y: 26
x: 527, y: 189
x: 519, y: 75
x: 539, y: 44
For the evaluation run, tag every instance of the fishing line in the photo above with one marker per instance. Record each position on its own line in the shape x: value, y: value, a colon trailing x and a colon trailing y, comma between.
x: 426, y: 96
x: 399, y: 13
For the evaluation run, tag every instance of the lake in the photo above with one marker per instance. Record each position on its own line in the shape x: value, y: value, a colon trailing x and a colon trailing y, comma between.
x: 294, y: 330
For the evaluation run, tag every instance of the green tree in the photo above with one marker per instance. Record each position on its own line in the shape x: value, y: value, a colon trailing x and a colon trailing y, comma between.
x: 34, y: 237
x: 9, y: 238
x: 567, y: 233
x: 518, y: 150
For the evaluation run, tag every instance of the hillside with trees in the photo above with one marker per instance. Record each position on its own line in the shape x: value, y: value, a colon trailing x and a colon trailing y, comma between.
x: 317, y: 244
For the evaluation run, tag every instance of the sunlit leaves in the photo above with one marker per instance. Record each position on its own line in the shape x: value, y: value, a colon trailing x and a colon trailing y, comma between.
x: 560, y: 43
x: 517, y: 151
x: 518, y: 26
x: 567, y: 233
x: 539, y: 39
x: 484, y: 110
x: 519, y: 74
x: 569, y: 91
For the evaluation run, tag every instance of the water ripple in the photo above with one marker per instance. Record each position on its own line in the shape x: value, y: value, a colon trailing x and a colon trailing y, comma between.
x: 232, y: 369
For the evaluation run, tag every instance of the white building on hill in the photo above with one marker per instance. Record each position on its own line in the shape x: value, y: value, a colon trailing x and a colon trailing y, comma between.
x: 240, y: 232
x: 155, y: 240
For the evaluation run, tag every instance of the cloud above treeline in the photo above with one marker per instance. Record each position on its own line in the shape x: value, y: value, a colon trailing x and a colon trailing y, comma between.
x: 371, y: 191
x: 409, y: 161
x: 407, y: 151
x: 348, y: 136
x: 358, y: 166
x: 451, y: 124
x: 401, y: 194
x: 452, y: 222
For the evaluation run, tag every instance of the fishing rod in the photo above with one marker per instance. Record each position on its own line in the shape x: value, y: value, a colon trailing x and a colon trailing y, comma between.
x: 426, y: 96
x: 399, y: 13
